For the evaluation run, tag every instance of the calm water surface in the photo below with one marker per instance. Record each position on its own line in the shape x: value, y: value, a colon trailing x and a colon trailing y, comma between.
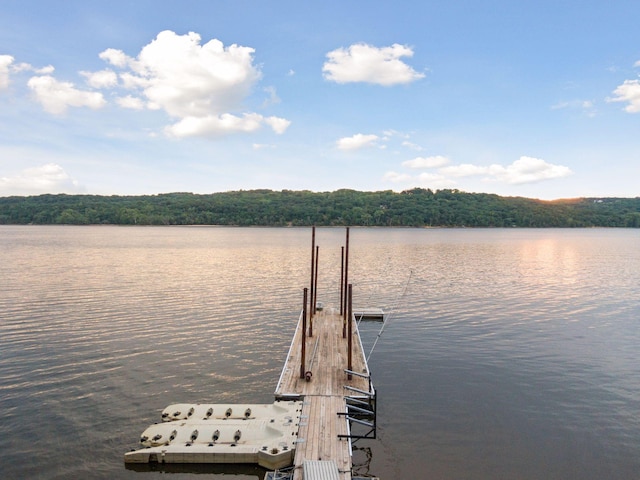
x: 509, y: 354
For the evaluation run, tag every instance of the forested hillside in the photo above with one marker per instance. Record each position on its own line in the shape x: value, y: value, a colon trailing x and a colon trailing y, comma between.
x: 411, y: 208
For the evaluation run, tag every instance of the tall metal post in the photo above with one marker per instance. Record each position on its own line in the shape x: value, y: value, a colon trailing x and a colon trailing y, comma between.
x: 313, y: 251
x: 342, y: 281
x: 350, y: 339
x: 304, y: 333
x: 346, y: 282
x: 314, y: 301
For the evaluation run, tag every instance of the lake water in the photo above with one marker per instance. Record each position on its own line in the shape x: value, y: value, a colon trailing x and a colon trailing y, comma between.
x: 508, y: 354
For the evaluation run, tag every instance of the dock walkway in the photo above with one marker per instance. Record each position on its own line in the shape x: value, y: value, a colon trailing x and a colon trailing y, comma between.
x: 323, y: 434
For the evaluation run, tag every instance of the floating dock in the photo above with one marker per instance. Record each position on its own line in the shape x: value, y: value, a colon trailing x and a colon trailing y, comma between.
x: 209, y: 433
x: 336, y: 400
x: 324, y: 401
x: 370, y: 313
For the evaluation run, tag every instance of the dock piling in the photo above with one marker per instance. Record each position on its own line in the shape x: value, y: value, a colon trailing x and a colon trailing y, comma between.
x: 304, y: 332
x: 346, y: 283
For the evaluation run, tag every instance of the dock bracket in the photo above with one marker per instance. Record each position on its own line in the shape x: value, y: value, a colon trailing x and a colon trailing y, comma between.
x: 361, y: 413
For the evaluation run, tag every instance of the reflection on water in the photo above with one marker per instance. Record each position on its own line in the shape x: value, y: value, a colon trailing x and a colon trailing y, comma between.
x: 511, y: 355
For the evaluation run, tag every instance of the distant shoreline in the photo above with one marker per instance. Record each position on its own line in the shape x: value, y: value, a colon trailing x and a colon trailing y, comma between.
x: 417, y: 208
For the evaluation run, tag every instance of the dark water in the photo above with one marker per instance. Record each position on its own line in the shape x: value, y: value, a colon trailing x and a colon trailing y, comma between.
x: 510, y: 354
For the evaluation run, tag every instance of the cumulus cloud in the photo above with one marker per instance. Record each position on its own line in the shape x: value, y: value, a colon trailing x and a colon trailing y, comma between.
x: 628, y: 92
x: 102, y: 79
x: 220, y: 125
x: 115, y: 57
x: 5, y: 63
x: 466, y: 170
x: 56, y: 97
x: 522, y: 171
x: 48, y: 70
x: 277, y: 124
x: 48, y: 178
x: 528, y: 170
x: 7, y: 67
x: 412, y: 146
x: 131, y: 102
x: 365, y: 63
x: 187, y: 79
x: 356, y: 142
x: 202, y: 86
x: 426, y: 162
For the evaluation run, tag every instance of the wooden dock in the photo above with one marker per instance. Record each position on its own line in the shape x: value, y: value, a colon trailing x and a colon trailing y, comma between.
x: 333, y: 396
x: 326, y: 387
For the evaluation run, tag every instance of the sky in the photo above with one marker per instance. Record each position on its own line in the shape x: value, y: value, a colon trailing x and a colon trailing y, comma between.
x: 539, y: 99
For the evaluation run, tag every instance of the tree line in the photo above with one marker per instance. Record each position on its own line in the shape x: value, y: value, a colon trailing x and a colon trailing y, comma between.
x: 417, y: 207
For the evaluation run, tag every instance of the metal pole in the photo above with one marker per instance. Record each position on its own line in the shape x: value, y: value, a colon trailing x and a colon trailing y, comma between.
x: 315, y: 291
x: 346, y: 282
x: 350, y: 339
x: 304, y: 328
x: 313, y: 251
x: 341, y: 280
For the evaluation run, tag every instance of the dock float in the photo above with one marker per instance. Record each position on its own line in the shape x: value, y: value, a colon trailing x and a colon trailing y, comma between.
x: 370, y: 313
x: 262, y: 434
x: 324, y: 401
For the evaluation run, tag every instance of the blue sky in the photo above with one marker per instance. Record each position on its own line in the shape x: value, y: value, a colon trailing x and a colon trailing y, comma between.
x: 539, y: 99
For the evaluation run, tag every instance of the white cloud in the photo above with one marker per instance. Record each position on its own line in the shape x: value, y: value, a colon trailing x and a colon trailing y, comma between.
x: 132, y: 82
x: 48, y: 70
x: 524, y: 170
x: 629, y: 92
x: 220, y: 125
x: 279, y: 125
x: 412, y: 146
x: 464, y: 170
x: 131, y: 102
x: 356, y: 142
x: 187, y: 79
x: 426, y: 162
x: 396, y: 177
x: 5, y: 62
x: 7, y: 67
x: 365, y: 63
x: 56, y: 96
x: 48, y: 178
x: 102, y: 79
x: 117, y: 58
x: 202, y: 86
x: 528, y: 170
